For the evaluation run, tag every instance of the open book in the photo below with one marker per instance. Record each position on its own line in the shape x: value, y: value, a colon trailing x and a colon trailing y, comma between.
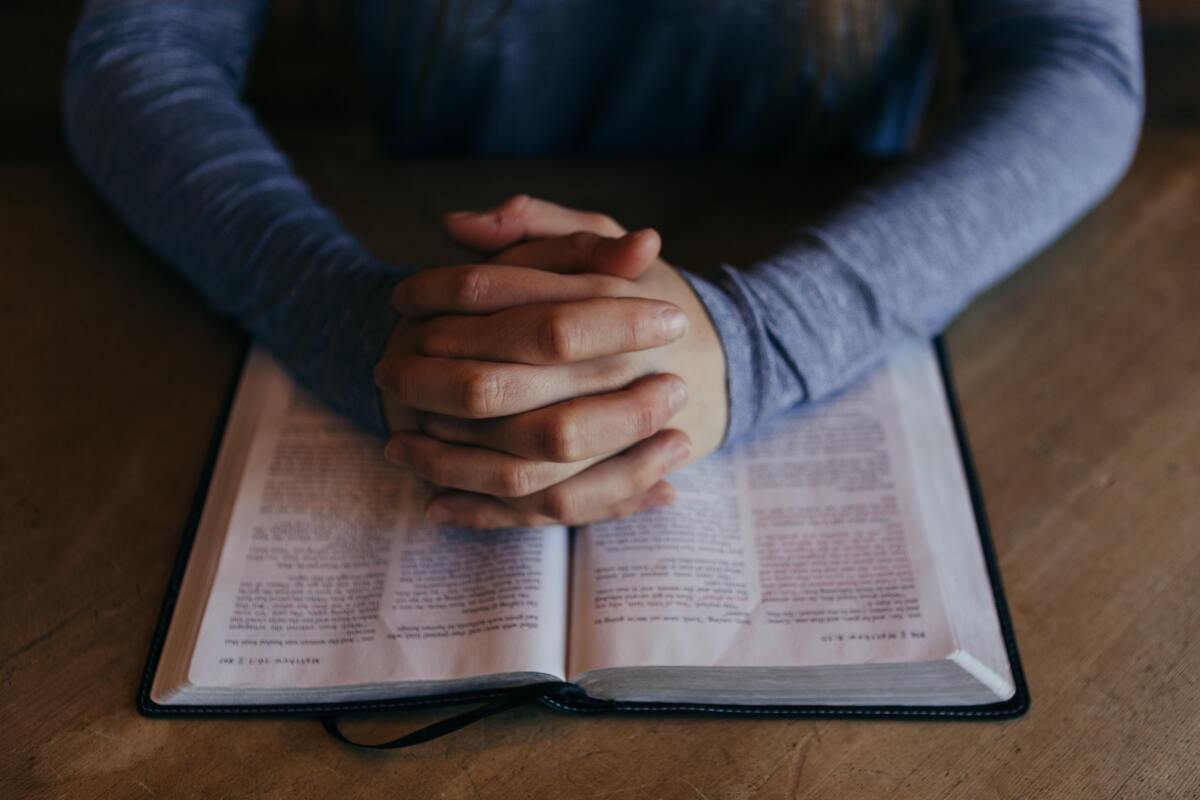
x: 834, y: 561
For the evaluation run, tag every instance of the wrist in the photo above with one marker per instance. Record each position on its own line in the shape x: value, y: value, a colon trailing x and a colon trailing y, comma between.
x: 739, y: 364
x: 699, y: 359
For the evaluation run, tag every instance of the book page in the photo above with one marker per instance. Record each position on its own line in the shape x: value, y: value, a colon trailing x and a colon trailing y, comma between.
x: 804, y: 546
x: 330, y: 576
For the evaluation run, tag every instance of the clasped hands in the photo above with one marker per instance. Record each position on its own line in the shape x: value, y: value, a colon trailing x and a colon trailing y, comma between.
x: 557, y: 381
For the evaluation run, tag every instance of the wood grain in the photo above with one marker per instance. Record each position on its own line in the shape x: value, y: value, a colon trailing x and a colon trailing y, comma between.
x: 1080, y: 384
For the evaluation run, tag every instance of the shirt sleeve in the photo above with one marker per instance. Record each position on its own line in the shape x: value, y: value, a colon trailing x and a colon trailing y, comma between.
x: 153, y: 116
x: 1048, y: 122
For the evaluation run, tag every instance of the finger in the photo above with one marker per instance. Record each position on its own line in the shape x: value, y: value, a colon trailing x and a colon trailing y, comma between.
x: 480, y: 512
x: 555, y: 333
x: 660, y: 494
x: 580, y: 428
x: 481, y: 389
x: 582, y: 251
x: 483, y: 512
x: 522, y: 217
x: 586, y: 496
x: 487, y: 288
x: 475, y: 469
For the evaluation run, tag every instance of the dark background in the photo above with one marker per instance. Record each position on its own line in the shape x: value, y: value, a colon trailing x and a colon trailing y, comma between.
x: 305, y: 72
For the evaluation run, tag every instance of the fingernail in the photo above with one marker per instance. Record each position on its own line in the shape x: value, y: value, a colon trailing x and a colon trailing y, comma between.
x: 643, y: 233
x: 395, y: 452
x: 436, y: 513
x: 618, y: 244
x: 677, y: 396
x: 659, y: 498
x: 680, y: 450
x: 674, y: 322
x: 460, y: 214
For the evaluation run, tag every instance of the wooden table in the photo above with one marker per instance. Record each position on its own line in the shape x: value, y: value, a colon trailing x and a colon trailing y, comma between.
x: 1080, y: 384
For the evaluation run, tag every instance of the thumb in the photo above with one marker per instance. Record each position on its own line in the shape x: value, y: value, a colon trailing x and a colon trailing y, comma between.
x: 522, y: 217
x: 626, y: 257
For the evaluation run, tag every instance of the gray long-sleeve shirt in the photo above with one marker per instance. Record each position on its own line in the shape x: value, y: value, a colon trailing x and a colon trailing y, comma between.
x: 1048, y: 121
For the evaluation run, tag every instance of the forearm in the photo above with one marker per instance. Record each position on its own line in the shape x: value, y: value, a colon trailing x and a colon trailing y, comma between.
x: 153, y: 116
x: 1048, y: 123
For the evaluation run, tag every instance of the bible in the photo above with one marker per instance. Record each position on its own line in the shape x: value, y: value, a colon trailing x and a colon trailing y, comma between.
x: 836, y: 563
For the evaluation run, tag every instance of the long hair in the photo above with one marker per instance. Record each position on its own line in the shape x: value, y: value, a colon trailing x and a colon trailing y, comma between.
x: 845, y: 37
x: 841, y: 44
x: 832, y: 46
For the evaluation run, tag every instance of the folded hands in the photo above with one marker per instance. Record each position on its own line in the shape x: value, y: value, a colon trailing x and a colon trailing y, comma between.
x: 557, y: 381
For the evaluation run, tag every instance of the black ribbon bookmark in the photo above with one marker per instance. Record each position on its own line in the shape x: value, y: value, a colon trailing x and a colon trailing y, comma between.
x: 518, y: 696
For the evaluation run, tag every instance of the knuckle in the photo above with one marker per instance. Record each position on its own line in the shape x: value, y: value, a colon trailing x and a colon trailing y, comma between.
x: 644, y: 419
x: 560, y: 439
x: 510, y: 212
x: 559, y: 504
x: 516, y: 480
x: 557, y: 338
x: 472, y: 287
x: 516, y: 203
x: 639, y: 327
x: 645, y: 473
x: 646, y: 324
x: 482, y: 393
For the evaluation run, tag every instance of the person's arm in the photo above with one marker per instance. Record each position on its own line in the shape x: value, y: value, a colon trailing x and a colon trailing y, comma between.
x: 153, y: 116
x: 1048, y: 122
